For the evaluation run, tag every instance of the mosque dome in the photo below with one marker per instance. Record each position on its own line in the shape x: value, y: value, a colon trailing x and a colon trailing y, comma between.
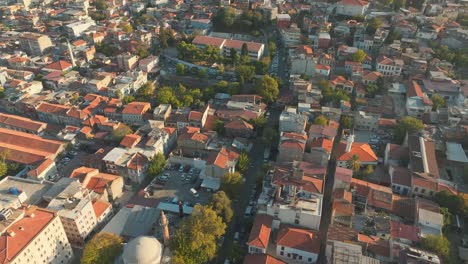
x: 143, y: 250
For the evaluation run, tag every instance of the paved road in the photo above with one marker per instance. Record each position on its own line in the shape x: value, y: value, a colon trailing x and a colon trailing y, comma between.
x: 256, y: 166
x: 327, y: 197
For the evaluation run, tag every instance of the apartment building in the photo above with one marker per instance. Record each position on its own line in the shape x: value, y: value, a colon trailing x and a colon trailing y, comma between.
x: 389, y: 67
x: 36, y: 236
x: 35, y: 44
x: 75, y: 209
x: 255, y: 49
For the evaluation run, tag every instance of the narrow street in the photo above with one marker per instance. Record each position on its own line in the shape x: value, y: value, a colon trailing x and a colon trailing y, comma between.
x: 255, y: 167
x: 327, y: 197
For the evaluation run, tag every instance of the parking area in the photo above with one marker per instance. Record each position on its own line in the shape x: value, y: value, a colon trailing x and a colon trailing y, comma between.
x: 178, y: 183
x: 69, y: 161
x: 377, y: 139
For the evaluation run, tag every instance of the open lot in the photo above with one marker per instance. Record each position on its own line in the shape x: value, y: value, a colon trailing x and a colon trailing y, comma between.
x: 177, y: 184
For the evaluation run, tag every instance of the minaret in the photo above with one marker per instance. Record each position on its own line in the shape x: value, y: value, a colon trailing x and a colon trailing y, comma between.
x: 164, y: 223
x: 349, y: 142
x: 72, y: 57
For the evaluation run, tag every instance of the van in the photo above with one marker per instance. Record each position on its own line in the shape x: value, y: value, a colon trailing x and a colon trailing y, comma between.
x: 194, y: 192
x: 236, y: 236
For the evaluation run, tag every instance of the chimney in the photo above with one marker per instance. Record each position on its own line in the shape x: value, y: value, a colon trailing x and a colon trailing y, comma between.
x: 165, y: 228
x: 181, y: 208
x: 349, y: 143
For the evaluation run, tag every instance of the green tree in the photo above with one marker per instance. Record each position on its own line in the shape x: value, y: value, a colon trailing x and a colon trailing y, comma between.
x: 444, y: 53
x: 270, y: 136
x: 126, y: 27
x: 354, y: 163
x: 203, y: 73
x: 231, y: 184
x: 219, y: 127
x: 272, y: 48
x: 245, y: 73
x: 406, y: 124
x: 3, y: 168
x: 438, y: 244
x: 222, y: 205
x: 120, y: 132
x: 128, y: 99
x: 234, y: 56
x: 165, y: 95
x: 392, y: 36
x: 103, y: 248
x: 259, y: 124
x: 195, y: 240
x: 225, y: 18
x: 397, y: 4
x: 455, y: 203
x: 437, y: 102
x: 346, y: 122
x: 321, y: 120
x: 372, y: 25
x: 358, y: 56
x: 244, y: 50
x: 156, y: 165
x: 244, y: 161
x: 180, y: 69
x: 267, y: 87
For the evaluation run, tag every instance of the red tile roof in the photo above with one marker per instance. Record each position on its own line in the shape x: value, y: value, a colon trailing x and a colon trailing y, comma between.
x: 136, y: 108
x: 362, y: 150
x: 400, y: 230
x: 343, y: 174
x: 56, y: 109
x: 41, y: 168
x: 292, y: 144
x: 261, y: 259
x: 21, y: 122
x: 195, y: 116
x: 59, y: 66
x: 238, y: 124
x: 293, y: 135
x: 260, y: 233
x: 100, y: 207
x: 129, y: 141
x: 205, y: 40
x: 25, y: 230
x: 300, y: 239
x: 137, y: 162
x: 26, y: 148
x: 342, y: 208
x: 323, y: 143
x: 221, y: 158
x: 237, y: 44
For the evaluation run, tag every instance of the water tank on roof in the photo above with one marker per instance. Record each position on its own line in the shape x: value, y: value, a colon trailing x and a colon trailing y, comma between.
x: 14, y: 191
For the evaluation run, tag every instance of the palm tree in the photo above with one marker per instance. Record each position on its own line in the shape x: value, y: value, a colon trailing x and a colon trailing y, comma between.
x: 354, y: 163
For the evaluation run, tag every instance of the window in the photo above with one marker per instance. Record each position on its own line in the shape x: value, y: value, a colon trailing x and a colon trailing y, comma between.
x: 423, y: 190
x: 309, y: 259
x: 282, y: 253
x: 416, y: 189
x: 289, y: 255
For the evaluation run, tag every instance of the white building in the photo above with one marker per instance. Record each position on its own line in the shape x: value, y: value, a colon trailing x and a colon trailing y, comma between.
x: 35, y: 236
x: 430, y: 222
x: 291, y: 36
x: 297, y: 245
x: 351, y: 7
x: 366, y: 121
x: 290, y: 121
x: 76, y: 29
x: 417, y: 102
x: 389, y: 67
x: 76, y: 213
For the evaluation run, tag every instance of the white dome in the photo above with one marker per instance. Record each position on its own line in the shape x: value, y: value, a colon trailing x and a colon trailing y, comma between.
x: 142, y: 250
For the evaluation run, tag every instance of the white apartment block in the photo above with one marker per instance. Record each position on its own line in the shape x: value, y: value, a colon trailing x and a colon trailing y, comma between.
x: 37, y: 236
x: 77, y: 216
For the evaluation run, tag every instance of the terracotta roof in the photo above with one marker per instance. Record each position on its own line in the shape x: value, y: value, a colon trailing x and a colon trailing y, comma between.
x: 205, y: 40
x: 387, y: 122
x: 221, y: 158
x: 238, y: 124
x: 341, y: 80
x: 260, y: 233
x: 375, y: 245
x: 400, y: 230
x: 26, y: 148
x: 292, y: 144
x: 86, y: 130
x: 343, y: 174
x: 137, y: 162
x: 79, y: 43
x: 136, y: 108
x: 323, y: 143
x: 195, y: 116
x: 343, y: 194
x: 322, y: 67
x: 59, y: 66
x: 362, y: 150
x: 169, y: 130
x: 56, y: 109
x: 129, y: 141
x: 98, y: 185
x: 401, y: 176
x: 99, y: 207
x: 328, y: 131
x: 292, y: 135
x: 261, y: 259
x: 25, y: 230
x: 342, y: 208
x: 237, y: 44
x: 21, y: 122
x: 40, y: 168
x: 341, y: 233
x: 190, y: 130
x: 372, y: 76
x: 300, y: 239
